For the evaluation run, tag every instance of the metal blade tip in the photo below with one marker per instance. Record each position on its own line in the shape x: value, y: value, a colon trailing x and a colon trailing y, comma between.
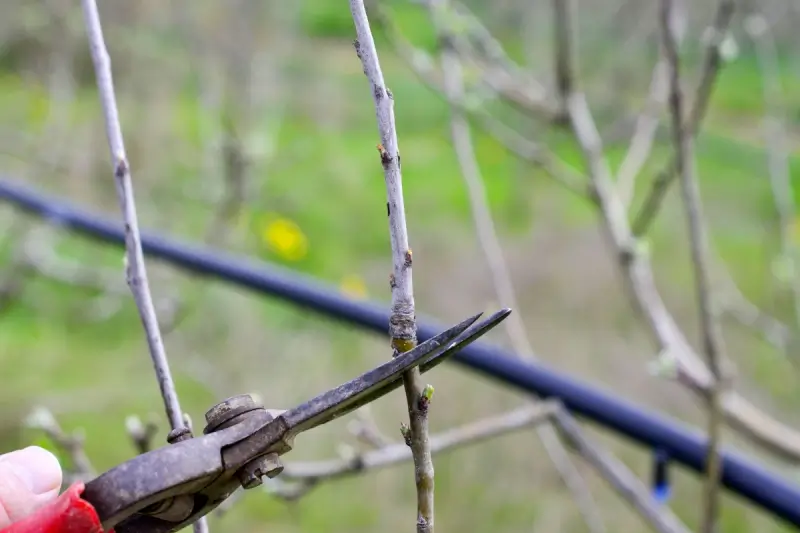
x: 461, y: 327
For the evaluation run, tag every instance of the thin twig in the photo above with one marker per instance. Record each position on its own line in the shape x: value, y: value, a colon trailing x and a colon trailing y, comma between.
x: 564, y: 55
x: 135, y: 270
x: 618, y: 476
x: 402, y: 322
x: 17, y: 268
x: 365, y: 429
x: 699, y: 247
x: 647, y: 122
x: 141, y: 433
x: 775, y: 141
x: 500, y: 72
x: 710, y: 69
x: 72, y: 444
x: 635, y: 264
x: 493, y: 253
x: 396, y: 453
x: 734, y: 304
x: 301, y: 477
x: 423, y: 66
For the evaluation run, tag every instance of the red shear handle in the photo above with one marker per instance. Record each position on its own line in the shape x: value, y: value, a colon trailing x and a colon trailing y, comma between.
x: 69, y: 513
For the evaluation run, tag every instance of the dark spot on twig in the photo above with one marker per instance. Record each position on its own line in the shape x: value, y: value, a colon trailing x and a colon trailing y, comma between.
x: 422, y: 404
x: 593, y: 193
x: 392, y: 281
x: 386, y: 159
x: 408, y: 260
x: 378, y: 91
x: 446, y: 42
x: 389, y: 94
x: 388, y: 210
x: 121, y: 169
x: 357, y: 46
x: 627, y: 253
x: 358, y: 463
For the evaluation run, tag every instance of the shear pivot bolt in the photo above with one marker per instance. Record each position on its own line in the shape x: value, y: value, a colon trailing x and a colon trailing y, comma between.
x: 251, y: 474
x: 226, y: 411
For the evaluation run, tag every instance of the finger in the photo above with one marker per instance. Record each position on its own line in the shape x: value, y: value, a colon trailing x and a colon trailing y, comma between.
x: 29, y: 478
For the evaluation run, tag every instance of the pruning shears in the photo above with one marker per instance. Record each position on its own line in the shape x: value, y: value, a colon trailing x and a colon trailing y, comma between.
x: 172, y: 487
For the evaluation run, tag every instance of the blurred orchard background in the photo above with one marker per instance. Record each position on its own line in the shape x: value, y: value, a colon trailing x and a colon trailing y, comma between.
x: 250, y: 126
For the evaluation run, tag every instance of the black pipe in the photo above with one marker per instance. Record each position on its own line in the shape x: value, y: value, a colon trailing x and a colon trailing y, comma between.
x: 684, y: 445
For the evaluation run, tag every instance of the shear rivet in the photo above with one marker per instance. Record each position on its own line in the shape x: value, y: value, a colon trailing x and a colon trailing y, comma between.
x: 217, y: 416
x: 251, y: 475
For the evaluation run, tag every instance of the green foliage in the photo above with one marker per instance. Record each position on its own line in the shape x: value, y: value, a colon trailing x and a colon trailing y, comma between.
x: 326, y: 20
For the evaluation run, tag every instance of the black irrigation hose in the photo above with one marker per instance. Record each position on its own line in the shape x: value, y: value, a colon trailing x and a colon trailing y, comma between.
x: 646, y: 427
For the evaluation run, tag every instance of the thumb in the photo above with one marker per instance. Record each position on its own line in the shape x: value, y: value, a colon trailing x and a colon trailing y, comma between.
x: 29, y: 478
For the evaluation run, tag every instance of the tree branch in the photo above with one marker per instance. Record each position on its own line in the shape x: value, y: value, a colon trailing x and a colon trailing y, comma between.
x: 699, y: 247
x: 423, y: 66
x: 487, y: 235
x: 395, y: 453
x: 710, y: 69
x: 402, y: 322
x: 136, y: 272
x: 647, y: 122
x: 775, y: 140
x: 618, y: 476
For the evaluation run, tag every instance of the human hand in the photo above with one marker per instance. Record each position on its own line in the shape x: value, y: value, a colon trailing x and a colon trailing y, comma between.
x: 29, y: 479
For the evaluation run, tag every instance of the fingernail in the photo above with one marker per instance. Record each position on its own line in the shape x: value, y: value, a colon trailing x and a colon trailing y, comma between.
x: 36, y: 467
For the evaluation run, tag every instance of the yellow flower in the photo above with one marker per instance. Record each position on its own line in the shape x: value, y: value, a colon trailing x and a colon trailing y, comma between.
x: 354, y: 287
x: 285, y: 238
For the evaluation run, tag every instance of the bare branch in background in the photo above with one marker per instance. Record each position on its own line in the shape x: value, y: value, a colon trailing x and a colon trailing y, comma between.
x: 500, y: 73
x: 141, y: 433
x: 564, y: 56
x: 301, y: 477
x: 735, y: 305
x: 493, y: 252
x: 618, y: 476
x: 423, y: 66
x: 713, y: 345
x: 71, y: 444
x: 647, y: 122
x: 365, y: 429
x: 15, y: 273
x: 775, y: 140
x: 634, y: 262
x: 711, y: 66
x: 402, y: 321
x: 136, y: 272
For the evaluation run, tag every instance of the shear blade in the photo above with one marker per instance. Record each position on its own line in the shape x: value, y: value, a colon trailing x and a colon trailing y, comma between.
x: 385, y: 378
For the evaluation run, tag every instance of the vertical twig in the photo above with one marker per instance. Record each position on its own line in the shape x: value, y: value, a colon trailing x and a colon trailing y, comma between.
x: 135, y: 271
x: 402, y: 322
x: 711, y: 66
x: 564, y: 54
x: 647, y: 122
x: 775, y: 137
x: 698, y: 239
x: 453, y: 85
